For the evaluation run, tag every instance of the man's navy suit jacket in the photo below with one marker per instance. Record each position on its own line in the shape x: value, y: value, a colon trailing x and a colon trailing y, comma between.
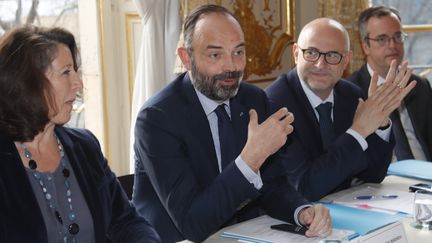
x: 113, y: 216
x: 178, y: 187
x: 418, y: 103
x: 316, y: 172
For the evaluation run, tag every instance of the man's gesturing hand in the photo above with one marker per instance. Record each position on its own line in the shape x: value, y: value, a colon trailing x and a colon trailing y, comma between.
x: 266, y: 138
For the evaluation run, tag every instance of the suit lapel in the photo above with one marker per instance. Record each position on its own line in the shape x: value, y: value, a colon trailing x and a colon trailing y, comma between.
x: 303, y: 101
x: 341, y: 110
x: 415, y: 108
x: 199, y: 124
x: 364, y: 82
x: 240, y: 120
x: 21, y: 199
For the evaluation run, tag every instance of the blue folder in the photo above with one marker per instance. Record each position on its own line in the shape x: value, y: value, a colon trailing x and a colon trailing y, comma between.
x: 359, y: 220
x: 416, y: 169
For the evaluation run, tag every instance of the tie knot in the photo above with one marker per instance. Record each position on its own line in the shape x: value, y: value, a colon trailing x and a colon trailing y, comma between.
x: 221, y: 112
x: 324, y: 109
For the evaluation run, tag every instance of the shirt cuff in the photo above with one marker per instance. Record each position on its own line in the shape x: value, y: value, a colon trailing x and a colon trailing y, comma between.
x: 297, y: 211
x: 384, y: 134
x: 251, y: 176
x: 359, y: 138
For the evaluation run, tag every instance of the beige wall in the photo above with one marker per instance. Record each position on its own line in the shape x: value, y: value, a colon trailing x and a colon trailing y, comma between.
x: 306, y: 10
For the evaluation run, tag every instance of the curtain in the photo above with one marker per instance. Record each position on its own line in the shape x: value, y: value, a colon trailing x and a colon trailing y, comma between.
x: 186, y: 6
x: 155, y: 68
x: 347, y: 13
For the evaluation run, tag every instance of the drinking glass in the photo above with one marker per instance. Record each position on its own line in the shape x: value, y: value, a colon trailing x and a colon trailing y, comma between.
x: 423, y: 210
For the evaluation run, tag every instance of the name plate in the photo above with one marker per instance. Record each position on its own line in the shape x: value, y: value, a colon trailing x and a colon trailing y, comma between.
x: 393, y: 233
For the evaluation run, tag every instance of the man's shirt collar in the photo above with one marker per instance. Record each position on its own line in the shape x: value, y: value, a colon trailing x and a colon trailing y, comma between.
x: 208, y: 104
x: 314, y: 99
x: 370, y: 70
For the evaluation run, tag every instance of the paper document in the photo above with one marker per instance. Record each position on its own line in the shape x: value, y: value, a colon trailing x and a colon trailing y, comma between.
x: 258, y: 230
x: 378, y: 199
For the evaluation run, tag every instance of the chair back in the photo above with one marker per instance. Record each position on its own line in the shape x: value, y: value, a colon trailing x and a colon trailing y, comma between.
x: 127, y: 182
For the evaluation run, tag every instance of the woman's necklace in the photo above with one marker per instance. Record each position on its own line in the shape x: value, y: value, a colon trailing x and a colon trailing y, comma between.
x: 72, y: 229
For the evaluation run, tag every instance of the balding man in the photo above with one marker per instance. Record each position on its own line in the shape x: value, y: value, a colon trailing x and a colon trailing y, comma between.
x: 338, y: 139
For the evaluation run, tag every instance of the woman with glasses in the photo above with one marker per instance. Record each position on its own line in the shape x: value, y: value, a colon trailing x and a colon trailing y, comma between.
x: 55, y: 184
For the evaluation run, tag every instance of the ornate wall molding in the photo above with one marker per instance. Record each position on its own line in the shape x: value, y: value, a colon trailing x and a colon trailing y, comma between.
x: 269, y: 29
x: 346, y: 12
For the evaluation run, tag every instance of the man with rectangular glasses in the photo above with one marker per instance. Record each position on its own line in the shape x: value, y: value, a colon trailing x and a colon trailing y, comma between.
x: 382, y: 41
x: 339, y: 140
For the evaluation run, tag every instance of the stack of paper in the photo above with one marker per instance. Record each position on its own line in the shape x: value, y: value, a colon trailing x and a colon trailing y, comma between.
x: 258, y: 231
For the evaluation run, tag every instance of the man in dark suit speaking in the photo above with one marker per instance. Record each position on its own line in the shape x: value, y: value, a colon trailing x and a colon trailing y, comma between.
x: 202, y: 142
x: 339, y: 140
x: 383, y: 41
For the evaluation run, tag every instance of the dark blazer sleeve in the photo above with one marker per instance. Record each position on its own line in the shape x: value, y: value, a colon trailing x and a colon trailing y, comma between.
x: 124, y: 223
x: 279, y: 200
x: 379, y: 156
x: 318, y: 175
x: 173, y: 162
x: 316, y: 172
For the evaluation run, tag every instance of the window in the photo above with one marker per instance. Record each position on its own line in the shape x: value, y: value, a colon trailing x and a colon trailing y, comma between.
x: 62, y: 13
x: 417, y: 23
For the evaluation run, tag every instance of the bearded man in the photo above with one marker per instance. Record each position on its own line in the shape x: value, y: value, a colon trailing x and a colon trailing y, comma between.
x: 202, y: 142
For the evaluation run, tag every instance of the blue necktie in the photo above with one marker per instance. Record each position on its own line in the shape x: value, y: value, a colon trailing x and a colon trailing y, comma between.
x: 226, y: 136
x: 326, y: 124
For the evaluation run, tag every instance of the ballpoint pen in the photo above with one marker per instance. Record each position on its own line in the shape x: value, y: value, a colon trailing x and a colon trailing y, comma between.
x: 369, y: 197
